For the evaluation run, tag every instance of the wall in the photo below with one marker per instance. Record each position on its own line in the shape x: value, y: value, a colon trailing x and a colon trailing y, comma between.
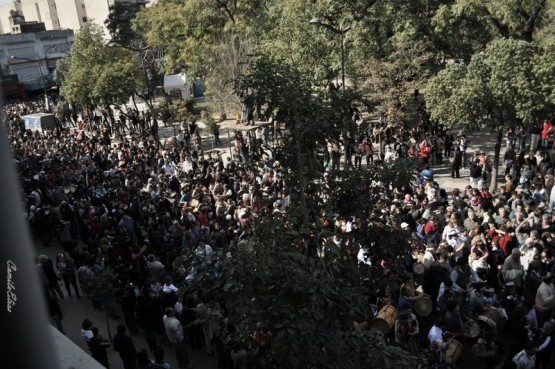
x: 33, y: 46
x: 5, y: 24
x: 97, y: 12
x: 41, y: 11
x: 72, y: 13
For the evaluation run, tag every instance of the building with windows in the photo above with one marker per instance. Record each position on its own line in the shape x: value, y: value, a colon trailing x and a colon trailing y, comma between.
x: 32, y: 57
x: 56, y: 14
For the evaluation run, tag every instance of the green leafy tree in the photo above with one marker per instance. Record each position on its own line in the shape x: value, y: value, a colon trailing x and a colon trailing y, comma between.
x: 63, y: 111
x: 190, y: 32
x: 230, y: 58
x: 119, y: 25
x: 175, y: 112
x: 99, y: 287
x: 97, y: 73
x: 391, y: 81
x: 293, y: 294
x: 467, y: 26
x: 505, y: 18
x: 500, y: 86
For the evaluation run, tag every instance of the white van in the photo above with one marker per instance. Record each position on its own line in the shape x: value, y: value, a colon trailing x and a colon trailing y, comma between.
x: 40, y: 122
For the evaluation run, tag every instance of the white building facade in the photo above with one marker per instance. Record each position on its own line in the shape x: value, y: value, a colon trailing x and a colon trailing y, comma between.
x: 58, y: 14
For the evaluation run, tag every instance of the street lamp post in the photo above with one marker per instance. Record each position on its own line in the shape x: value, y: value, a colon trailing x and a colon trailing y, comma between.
x: 38, y: 61
x: 341, y: 32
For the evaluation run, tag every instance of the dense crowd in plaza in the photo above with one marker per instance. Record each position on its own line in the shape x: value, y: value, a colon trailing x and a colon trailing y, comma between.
x: 481, y: 269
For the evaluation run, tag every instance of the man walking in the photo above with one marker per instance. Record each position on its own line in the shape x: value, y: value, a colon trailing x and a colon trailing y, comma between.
x: 476, y: 174
x: 126, y: 348
x: 456, y: 163
x: 174, y: 331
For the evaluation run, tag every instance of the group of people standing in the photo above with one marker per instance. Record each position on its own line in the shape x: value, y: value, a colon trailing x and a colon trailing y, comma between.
x: 140, y: 208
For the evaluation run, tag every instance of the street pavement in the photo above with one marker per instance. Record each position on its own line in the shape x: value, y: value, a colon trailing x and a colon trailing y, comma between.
x: 483, y: 140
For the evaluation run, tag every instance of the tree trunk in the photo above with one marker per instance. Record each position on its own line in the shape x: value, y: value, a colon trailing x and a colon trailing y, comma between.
x: 496, y: 158
x: 107, y: 320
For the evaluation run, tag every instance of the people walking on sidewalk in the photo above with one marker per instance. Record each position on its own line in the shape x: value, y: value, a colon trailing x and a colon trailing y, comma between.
x: 476, y: 174
x: 456, y: 163
x: 66, y: 267
x: 98, y: 345
x: 124, y: 345
x: 174, y: 332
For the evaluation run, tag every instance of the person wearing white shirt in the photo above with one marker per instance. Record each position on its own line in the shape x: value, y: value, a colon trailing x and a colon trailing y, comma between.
x: 168, y: 285
x: 362, y: 257
x: 429, y: 255
x: 449, y: 285
x: 526, y: 359
x: 437, y: 342
x: 86, y: 330
x: 529, y: 252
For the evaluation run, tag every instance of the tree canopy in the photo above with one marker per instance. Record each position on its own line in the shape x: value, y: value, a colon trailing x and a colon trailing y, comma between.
x: 505, y: 84
x: 98, y: 73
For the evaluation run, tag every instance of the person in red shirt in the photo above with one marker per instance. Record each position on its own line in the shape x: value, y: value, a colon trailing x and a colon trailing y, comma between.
x: 506, y: 240
x: 430, y: 229
x: 425, y: 151
x: 547, y: 132
x: 492, y: 233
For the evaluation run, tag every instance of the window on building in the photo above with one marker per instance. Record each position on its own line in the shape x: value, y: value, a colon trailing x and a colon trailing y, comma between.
x: 50, y: 49
x: 85, y: 19
x: 28, y: 75
x: 176, y: 93
x: 22, y: 52
x: 63, y: 48
x: 1, y: 54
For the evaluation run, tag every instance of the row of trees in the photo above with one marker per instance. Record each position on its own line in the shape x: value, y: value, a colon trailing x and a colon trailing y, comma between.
x: 392, y: 47
x: 476, y: 61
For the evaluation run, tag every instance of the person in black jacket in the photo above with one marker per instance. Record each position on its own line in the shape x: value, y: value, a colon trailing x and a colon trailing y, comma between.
x: 456, y: 163
x: 126, y: 348
x: 98, y: 346
x: 47, y: 267
x: 148, y: 317
x: 55, y: 312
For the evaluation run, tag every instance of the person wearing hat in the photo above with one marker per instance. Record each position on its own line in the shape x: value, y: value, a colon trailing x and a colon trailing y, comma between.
x: 545, y: 299
x: 512, y: 270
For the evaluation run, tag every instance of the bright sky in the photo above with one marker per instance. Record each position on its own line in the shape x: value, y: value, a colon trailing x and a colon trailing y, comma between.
x: 5, y: 1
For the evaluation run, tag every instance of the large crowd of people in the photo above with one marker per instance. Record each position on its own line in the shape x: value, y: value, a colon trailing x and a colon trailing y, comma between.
x: 482, y: 267
x: 125, y: 200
